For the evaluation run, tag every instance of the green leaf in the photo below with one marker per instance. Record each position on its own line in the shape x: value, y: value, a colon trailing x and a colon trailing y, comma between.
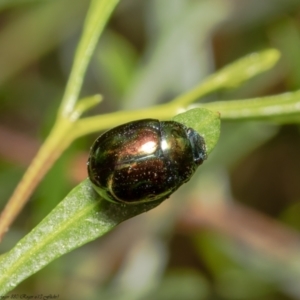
x: 84, y: 216
x: 245, y: 68
x: 81, y: 217
x: 282, y: 108
x: 205, y: 122
x: 232, y: 75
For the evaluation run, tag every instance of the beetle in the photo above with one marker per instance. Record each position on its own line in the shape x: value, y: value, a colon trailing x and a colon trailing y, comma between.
x: 144, y: 160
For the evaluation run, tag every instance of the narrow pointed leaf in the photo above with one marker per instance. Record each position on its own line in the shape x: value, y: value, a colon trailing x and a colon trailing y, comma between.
x: 84, y: 216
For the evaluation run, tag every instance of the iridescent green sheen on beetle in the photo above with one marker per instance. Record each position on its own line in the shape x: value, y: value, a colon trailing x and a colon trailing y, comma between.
x: 144, y: 160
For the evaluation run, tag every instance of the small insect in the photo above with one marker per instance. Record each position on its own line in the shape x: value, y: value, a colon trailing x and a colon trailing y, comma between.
x: 144, y: 160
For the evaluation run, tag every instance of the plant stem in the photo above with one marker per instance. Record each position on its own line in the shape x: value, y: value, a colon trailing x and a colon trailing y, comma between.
x: 99, y: 12
x: 59, y: 138
x: 55, y: 144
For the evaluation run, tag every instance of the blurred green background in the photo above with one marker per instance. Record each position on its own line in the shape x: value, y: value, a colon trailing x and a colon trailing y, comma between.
x: 232, y: 232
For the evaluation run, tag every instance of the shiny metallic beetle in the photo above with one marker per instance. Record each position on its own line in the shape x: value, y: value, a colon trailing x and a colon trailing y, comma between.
x: 144, y: 160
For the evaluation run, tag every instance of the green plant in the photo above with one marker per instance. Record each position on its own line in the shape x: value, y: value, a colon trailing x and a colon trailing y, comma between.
x: 82, y: 216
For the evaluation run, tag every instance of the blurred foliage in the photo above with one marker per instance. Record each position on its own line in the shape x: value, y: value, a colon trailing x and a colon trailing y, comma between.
x: 151, y: 51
